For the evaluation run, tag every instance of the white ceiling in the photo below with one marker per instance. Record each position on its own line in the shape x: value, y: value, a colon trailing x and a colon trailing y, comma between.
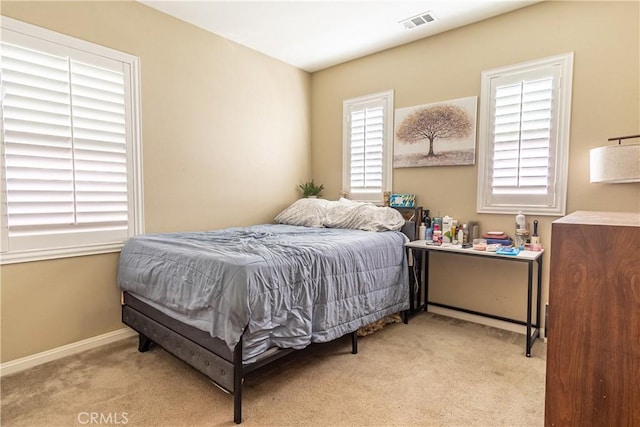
x: 313, y: 35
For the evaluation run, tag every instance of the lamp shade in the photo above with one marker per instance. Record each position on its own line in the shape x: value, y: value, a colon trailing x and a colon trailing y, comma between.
x: 615, y: 163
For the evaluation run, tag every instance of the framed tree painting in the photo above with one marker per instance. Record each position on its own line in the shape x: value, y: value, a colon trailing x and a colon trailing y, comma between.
x: 438, y: 134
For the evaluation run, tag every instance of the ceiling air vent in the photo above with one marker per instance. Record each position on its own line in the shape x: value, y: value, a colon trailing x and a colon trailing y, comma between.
x: 418, y: 20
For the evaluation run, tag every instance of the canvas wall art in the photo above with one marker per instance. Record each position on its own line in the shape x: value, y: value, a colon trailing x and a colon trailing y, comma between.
x: 438, y: 134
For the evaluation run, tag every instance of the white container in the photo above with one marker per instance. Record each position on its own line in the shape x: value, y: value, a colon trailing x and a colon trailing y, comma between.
x: 422, y: 232
x: 447, y: 222
x: 521, y: 221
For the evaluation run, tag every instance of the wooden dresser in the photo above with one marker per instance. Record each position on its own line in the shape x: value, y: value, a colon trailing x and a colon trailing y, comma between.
x: 593, y: 329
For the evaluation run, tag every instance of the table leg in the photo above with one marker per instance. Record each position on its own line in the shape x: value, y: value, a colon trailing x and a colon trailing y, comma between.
x: 529, y: 302
x: 412, y: 281
x: 418, y: 294
x: 425, y: 272
x: 538, y: 322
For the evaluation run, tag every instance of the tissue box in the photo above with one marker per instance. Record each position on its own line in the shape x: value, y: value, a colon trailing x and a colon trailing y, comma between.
x: 397, y: 200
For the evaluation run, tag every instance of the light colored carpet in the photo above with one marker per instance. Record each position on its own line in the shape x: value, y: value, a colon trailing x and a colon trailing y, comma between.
x: 435, y: 371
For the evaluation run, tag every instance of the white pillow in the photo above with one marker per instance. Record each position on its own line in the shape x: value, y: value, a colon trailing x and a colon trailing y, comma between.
x: 350, y: 202
x: 362, y: 216
x: 306, y: 212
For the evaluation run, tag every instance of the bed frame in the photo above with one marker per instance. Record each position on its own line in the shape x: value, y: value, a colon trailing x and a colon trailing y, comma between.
x: 207, y: 354
x: 211, y: 356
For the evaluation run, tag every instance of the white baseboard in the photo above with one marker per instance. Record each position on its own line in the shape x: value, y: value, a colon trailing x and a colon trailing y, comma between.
x: 27, y: 362
x: 487, y: 321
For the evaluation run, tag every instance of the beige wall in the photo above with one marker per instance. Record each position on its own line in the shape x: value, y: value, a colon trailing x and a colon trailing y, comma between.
x: 225, y: 142
x: 605, y: 38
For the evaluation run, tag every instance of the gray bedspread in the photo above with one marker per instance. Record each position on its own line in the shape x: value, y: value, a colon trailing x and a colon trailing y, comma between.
x: 286, y: 286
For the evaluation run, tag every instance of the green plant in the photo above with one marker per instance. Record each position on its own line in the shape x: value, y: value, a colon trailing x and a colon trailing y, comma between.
x: 311, y: 189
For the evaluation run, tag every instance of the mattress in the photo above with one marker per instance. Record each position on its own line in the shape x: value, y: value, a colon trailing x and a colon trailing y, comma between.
x: 273, y: 285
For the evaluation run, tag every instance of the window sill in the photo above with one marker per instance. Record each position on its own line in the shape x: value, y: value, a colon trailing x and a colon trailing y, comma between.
x: 527, y: 210
x: 50, y: 254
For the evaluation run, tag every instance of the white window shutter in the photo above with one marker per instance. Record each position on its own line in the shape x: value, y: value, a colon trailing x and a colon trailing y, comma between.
x: 368, y: 132
x: 70, y: 140
x: 524, y: 137
x: 366, y: 149
x: 37, y: 137
x: 100, y: 159
x: 65, y: 145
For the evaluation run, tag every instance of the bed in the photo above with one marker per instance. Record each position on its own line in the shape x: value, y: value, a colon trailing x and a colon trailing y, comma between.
x: 230, y: 301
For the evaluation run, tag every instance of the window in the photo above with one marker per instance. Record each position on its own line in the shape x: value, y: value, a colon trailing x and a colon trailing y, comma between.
x: 524, y: 137
x: 70, y: 164
x: 367, y: 146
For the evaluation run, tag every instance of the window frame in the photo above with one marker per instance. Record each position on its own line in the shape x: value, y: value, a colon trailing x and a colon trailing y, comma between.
x: 35, y: 37
x: 386, y: 99
x: 562, y: 66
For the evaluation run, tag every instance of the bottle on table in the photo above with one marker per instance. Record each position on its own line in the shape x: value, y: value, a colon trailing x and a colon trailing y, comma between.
x: 437, y: 234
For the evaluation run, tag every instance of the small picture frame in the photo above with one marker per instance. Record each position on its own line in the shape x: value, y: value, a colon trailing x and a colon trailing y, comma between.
x: 402, y: 200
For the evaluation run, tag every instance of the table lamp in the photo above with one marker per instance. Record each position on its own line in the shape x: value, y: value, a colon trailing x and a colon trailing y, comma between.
x: 614, y: 164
